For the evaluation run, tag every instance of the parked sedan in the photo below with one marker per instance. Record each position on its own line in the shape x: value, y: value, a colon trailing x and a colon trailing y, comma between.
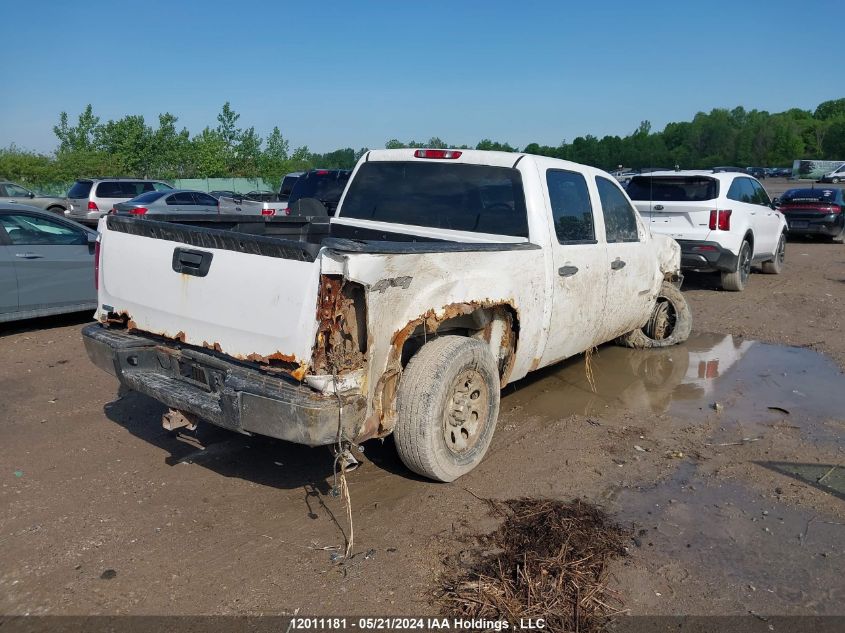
x: 15, y: 194
x: 175, y: 201
x: 46, y: 264
x: 814, y: 211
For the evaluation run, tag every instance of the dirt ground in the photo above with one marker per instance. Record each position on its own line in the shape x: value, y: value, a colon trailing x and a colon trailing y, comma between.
x: 721, y: 455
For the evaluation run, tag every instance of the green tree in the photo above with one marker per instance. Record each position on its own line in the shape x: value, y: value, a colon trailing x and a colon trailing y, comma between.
x: 833, y: 109
x: 209, y: 155
x: 79, y: 137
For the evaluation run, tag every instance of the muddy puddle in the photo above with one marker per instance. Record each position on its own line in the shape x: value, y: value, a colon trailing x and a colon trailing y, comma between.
x: 747, y: 384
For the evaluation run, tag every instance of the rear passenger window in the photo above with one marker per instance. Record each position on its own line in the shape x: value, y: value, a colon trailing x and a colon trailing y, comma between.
x: 571, y: 208
x: 205, y: 199
x: 760, y: 195
x: 742, y: 190
x: 183, y: 197
x: 620, y: 218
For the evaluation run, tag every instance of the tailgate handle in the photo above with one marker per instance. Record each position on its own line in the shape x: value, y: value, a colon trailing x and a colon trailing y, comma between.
x: 190, y: 262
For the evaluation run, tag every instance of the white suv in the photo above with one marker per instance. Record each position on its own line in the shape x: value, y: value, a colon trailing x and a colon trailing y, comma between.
x: 724, y: 221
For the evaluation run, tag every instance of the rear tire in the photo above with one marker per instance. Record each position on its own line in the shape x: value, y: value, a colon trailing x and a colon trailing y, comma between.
x: 57, y: 210
x: 670, y: 322
x: 775, y: 266
x: 736, y: 280
x: 447, y: 405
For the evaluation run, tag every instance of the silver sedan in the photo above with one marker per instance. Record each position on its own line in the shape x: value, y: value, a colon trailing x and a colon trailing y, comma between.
x: 173, y: 202
x: 46, y: 264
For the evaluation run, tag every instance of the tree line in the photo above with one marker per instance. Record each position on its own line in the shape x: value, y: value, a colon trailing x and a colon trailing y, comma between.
x: 132, y: 147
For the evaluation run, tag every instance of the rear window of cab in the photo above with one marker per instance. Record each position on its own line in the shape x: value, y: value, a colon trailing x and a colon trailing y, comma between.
x: 460, y: 197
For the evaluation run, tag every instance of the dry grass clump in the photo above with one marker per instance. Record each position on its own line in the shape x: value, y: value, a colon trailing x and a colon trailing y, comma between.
x: 548, y: 559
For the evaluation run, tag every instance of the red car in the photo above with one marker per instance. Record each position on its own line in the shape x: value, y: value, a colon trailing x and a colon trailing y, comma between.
x: 814, y: 212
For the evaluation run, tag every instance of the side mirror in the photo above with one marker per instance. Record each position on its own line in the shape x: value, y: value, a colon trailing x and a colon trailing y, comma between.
x: 31, y: 195
x: 92, y: 238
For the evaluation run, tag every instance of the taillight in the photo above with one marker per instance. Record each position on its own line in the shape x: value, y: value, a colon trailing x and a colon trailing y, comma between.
x: 138, y: 211
x: 720, y: 220
x: 92, y: 206
x: 97, y: 264
x: 437, y: 153
x: 268, y: 212
x: 322, y: 172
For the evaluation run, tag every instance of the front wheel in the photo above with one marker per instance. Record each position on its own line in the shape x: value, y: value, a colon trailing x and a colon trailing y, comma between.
x: 835, y: 181
x: 447, y: 406
x: 670, y: 322
x: 736, y: 279
x: 775, y: 266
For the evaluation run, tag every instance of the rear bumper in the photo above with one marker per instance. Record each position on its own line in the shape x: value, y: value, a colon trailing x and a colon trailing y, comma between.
x: 88, y: 218
x: 222, y: 392
x: 706, y: 256
x: 818, y: 225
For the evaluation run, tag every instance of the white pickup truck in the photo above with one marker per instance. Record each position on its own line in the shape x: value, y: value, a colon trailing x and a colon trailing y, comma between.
x: 444, y: 276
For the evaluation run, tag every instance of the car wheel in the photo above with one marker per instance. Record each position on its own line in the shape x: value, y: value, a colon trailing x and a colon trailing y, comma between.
x: 447, y: 406
x: 839, y: 239
x: 670, y: 322
x: 775, y: 266
x: 835, y: 181
x: 57, y: 210
x: 736, y: 279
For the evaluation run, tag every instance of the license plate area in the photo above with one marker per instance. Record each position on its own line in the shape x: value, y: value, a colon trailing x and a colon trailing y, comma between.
x: 798, y: 224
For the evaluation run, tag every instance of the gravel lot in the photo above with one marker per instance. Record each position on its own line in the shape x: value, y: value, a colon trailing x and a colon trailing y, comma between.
x: 105, y: 512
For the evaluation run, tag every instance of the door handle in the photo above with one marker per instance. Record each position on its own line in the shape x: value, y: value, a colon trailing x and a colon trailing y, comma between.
x: 617, y: 264
x: 567, y: 271
x: 28, y: 255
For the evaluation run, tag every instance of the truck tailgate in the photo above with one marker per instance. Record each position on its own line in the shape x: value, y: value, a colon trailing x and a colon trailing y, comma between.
x: 253, y: 298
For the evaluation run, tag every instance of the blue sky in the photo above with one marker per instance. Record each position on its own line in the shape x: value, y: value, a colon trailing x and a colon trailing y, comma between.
x: 356, y: 74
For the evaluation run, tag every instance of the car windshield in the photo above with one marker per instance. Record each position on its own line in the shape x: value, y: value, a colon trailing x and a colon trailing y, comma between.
x: 454, y: 196
x: 808, y: 195
x: 673, y: 188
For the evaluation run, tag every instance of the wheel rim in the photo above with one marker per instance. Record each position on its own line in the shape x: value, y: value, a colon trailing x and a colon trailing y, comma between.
x: 745, y: 263
x: 781, y: 250
x: 661, y: 325
x: 466, y: 412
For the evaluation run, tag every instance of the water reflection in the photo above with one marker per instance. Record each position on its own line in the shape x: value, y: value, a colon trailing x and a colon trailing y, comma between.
x: 747, y: 378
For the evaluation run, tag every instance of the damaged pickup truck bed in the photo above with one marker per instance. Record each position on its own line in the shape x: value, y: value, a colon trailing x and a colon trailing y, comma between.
x: 444, y: 276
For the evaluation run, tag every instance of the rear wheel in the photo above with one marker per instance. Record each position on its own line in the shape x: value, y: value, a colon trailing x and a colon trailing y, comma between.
x: 57, y: 210
x: 447, y: 405
x: 670, y: 322
x: 736, y: 279
x: 835, y: 181
x: 775, y: 266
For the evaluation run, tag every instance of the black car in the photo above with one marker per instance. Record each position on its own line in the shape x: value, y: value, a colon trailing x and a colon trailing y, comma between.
x: 814, y: 211
x: 318, y: 185
x: 758, y: 172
